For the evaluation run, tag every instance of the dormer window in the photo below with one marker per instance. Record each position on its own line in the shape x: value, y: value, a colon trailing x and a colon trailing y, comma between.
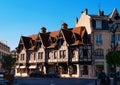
x: 62, y: 53
x: 40, y: 55
x: 38, y: 45
x: 73, y: 39
x: 98, y: 24
x: 21, y: 47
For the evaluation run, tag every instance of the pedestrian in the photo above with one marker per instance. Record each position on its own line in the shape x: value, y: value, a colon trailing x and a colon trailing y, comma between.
x: 107, y: 79
x: 102, y: 78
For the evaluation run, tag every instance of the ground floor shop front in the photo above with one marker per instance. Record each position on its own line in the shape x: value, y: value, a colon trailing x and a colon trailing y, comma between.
x: 65, y: 70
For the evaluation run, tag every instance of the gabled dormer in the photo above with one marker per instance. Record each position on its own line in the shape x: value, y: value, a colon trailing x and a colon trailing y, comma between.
x: 60, y: 40
x: 37, y: 44
x: 73, y: 38
x: 114, y: 14
x: 66, y: 34
x: 20, y: 45
x: 114, y: 19
x: 43, y: 38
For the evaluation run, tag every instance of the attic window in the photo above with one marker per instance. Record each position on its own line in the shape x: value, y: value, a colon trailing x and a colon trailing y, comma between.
x: 21, y: 47
x: 98, y: 24
x: 38, y: 45
x: 73, y: 39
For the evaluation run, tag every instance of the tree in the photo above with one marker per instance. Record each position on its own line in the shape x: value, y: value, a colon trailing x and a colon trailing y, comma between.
x: 8, y: 62
x: 113, y: 58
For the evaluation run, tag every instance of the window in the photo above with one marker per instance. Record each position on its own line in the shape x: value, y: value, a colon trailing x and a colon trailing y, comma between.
x: 40, y: 55
x: 85, y: 53
x: 22, y: 57
x: 98, y: 39
x: 99, y: 54
x: 21, y: 47
x: 117, y: 38
x: 62, y: 53
x: 64, y: 69
x: 85, y: 70
x: 73, y: 52
x: 34, y: 56
x: 50, y: 54
x: 55, y: 54
x: 74, y: 69
x: 98, y: 24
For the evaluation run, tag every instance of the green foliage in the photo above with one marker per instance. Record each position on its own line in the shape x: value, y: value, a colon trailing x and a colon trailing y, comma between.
x: 113, y: 58
x: 8, y: 62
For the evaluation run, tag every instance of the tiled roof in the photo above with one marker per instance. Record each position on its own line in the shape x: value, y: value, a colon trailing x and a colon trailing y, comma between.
x: 55, y: 33
x: 26, y: 41
x: 34, y: 36
x: 32, y: 48
x: 79, y: 30
x: 49, y: 39
x: 45, y: 38
x: 68, y: 35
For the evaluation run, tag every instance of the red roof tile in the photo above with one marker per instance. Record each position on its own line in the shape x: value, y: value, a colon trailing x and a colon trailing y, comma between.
x: 55, y: 33
x: 49, y: 39
x: 79, y: 30
x: 34, y: 36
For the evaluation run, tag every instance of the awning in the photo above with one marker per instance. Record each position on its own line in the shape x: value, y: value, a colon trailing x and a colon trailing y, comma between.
x: 32, y: 66
x: 22, y: 66
x: 99, y: 63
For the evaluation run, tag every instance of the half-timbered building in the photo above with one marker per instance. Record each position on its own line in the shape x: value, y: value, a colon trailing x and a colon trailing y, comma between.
x: 66, y: 51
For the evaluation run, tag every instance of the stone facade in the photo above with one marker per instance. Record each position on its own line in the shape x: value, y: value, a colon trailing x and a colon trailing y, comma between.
x: 99, y: 27
x: 4, y: 49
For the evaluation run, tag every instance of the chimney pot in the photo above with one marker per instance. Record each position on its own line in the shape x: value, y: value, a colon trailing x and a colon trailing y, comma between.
x: 43, y: 30
x: 64, y: 26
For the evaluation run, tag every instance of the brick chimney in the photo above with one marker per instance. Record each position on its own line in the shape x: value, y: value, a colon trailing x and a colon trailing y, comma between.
x: 43, y: 30
x: 64, y: 26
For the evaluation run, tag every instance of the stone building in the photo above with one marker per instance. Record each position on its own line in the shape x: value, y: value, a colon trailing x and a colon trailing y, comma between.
x: 99, y: 27
x: 4, y: 50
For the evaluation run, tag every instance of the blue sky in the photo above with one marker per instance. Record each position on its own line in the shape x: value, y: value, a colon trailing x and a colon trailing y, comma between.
x: 26, y: 17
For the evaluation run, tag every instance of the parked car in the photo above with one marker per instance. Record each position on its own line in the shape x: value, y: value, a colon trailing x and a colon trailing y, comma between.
x: 52, y: 74
x: 37, y: 74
